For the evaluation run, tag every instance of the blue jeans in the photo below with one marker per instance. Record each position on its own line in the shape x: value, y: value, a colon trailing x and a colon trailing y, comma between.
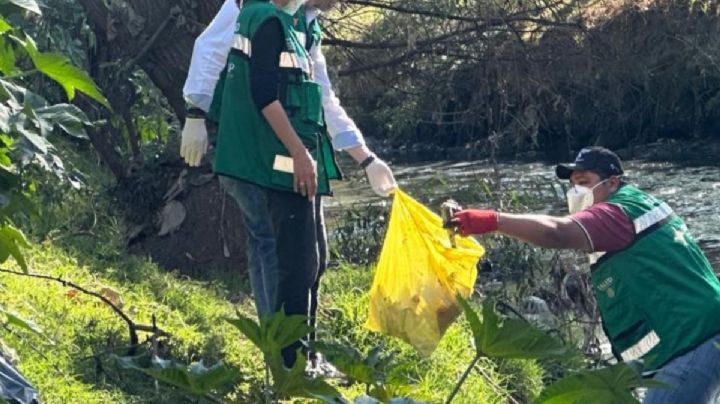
x: 286, y: 250
x: 694, y: 377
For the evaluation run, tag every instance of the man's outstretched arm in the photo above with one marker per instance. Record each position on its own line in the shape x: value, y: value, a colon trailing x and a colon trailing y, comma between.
x: 540, y: 230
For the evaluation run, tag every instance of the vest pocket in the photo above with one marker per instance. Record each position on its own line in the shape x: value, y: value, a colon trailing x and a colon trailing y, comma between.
x: 303, y: 104
x: 624, y: 323
x: 312, y: 107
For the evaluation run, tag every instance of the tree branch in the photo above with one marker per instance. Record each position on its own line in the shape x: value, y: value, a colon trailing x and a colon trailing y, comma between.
x: 386, y: 63
x: 448, y: 16
x: 132, y: 327
x: 396, y: 45
x: 404, y: 10
x: 485, y: 26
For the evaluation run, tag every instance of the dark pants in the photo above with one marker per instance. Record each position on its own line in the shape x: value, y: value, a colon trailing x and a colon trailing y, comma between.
x: 286, y: 248
x: 322, y: 266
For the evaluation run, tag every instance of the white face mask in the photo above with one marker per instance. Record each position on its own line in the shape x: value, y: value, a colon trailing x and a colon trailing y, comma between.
x: 580, y: 197
x: 293, y: 6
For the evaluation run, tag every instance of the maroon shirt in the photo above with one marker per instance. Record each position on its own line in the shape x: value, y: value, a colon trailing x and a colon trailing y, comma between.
x: 606, y: 226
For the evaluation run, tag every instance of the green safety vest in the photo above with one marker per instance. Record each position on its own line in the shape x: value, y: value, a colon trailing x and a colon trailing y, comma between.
x: 310, y: 34
x: 247, y: 147
x: 659, y: 297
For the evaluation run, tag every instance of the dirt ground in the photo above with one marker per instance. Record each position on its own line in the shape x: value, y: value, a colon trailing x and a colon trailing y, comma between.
x: 204, y: 239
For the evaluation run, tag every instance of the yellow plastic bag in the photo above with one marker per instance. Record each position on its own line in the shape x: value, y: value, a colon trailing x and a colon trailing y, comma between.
x: 413, y: 296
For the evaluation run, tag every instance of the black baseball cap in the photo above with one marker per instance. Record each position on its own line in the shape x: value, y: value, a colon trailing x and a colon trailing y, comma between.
x: 595, y: 158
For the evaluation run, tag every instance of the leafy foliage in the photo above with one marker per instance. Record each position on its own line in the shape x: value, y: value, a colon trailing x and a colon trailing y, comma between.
x: 613, y: 384
x: 357, y: 237
x: 196, y: 379
x: 273, y: 334
x: 30, y: 5
x: 529, y: 74
x: 19, y: 322
x: 59, y: 68
x: 506, y: 339
x: 27, y: 119
x: 367, y: 369
x: 510, y: 338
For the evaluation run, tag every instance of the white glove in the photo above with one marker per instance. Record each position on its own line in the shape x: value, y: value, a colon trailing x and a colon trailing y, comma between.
x: 194, y: 141
x: 381, y: 177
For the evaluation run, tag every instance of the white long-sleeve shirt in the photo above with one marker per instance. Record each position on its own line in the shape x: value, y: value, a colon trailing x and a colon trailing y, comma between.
x: 210, y: 55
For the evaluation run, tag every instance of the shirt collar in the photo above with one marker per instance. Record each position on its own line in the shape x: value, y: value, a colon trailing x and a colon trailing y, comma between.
x: 311, y: 13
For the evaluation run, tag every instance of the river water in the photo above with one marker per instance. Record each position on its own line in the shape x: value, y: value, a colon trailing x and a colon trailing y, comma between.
x: 693, y: 191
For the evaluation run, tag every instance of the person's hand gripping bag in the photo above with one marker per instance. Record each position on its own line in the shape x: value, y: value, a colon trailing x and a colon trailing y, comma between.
x: 419, y: 275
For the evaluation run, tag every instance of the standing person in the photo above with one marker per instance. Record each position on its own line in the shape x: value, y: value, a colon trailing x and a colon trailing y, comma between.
x: 658, y: 296
x: 273, y: 153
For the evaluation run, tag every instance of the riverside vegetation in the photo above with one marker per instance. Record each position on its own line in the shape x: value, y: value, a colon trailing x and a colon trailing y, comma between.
x: 87, y: 322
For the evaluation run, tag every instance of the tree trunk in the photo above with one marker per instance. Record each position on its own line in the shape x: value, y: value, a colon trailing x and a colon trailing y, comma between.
x: 155, y: 35
x: 158, y: 36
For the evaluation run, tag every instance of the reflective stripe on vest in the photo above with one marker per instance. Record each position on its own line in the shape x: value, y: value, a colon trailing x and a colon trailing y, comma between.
x: 642, y: 347
x: 288, y: 60
x: 292, y: 61
x: 242, y: 44
x: 594, y: 257
x: 302, y: 37
x: 656, y: 215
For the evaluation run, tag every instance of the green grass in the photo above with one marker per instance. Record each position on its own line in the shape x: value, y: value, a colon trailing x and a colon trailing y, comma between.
x: 72, y: 362
x: 430, y: 379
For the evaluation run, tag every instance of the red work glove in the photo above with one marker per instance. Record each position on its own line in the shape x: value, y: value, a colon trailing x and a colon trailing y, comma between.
x: 474, y: 221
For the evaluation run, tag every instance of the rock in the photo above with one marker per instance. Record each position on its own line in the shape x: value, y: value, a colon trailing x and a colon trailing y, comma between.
x: 171, y: 217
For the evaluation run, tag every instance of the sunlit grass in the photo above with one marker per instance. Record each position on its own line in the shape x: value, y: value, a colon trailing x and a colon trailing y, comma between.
x: 72, y: 362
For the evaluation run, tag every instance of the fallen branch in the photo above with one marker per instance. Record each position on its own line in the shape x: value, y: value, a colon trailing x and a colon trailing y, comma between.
x: 132, y: 327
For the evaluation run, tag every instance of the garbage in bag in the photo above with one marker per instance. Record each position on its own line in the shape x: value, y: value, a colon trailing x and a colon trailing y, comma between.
x: 419, y: 275
x: 13, y: 386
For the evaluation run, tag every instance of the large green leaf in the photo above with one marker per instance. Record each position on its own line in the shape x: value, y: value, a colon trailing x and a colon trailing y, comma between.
x: 11, y: 94
x: 273, y: 334
x: 11, y: 239
x: 249, y: 328
x: 7, y: 56
x: 19, y: 322
x: 59, y: 68
x: 71, y: 119
x: 510, y: 338
x: 30, y: 5
x: 28, y: 127
x: 195, y: 379
x: 4, y: 26
x: 611, y: 385
x: 282, y: 330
